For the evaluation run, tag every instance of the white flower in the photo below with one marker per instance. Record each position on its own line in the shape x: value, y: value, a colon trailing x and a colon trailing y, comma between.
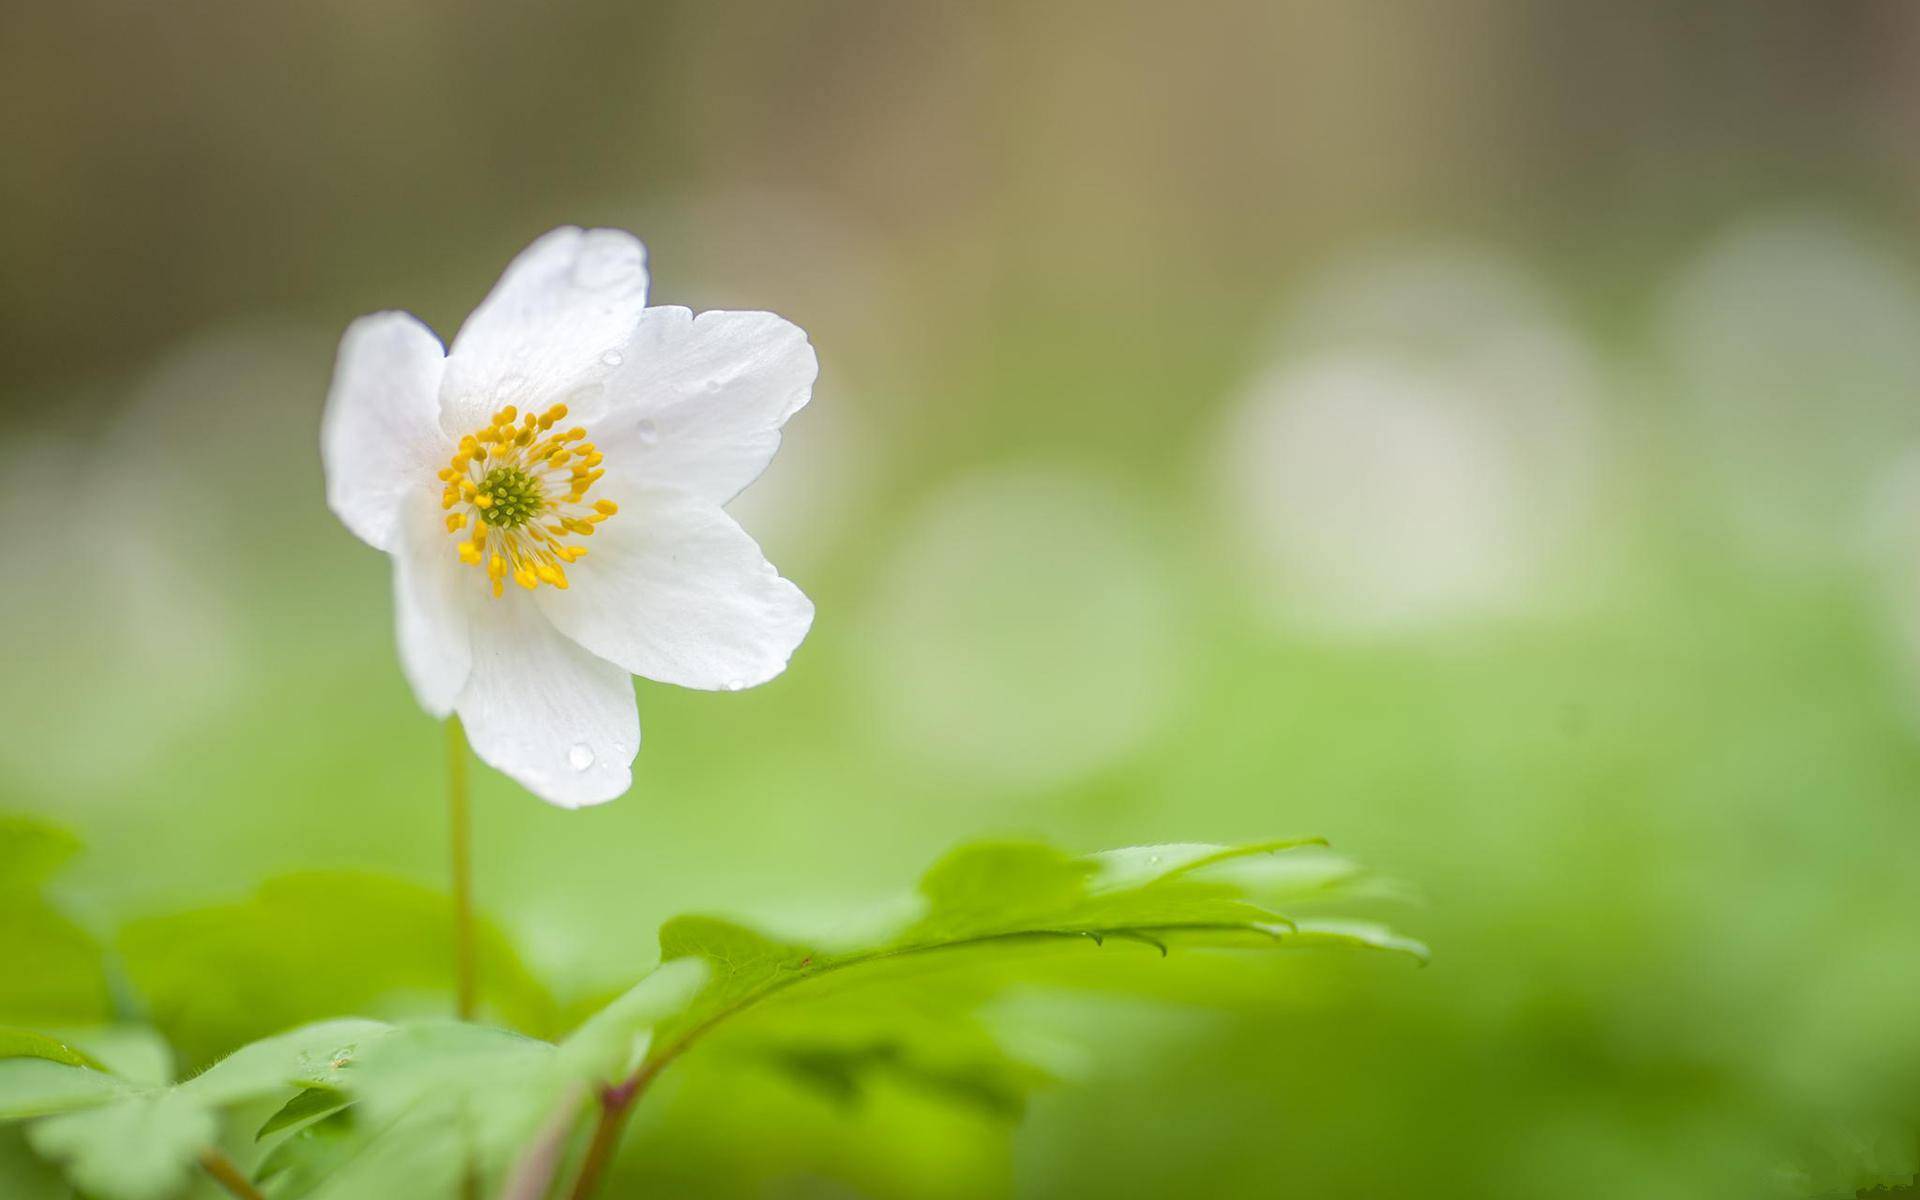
x: 551, y: 490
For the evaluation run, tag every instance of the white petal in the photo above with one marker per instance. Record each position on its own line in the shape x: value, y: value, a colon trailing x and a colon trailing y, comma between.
x: 551, y: 331
x: 674, y: 590
x: 700, y: 401
x: 380, y: 436
x: 539, y: 708
x: 432, y: 595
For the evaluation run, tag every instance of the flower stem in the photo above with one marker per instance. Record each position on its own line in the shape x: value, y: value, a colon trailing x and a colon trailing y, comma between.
x: 460, y: 830
x: 615, y: 1103
x: 227, y: 1175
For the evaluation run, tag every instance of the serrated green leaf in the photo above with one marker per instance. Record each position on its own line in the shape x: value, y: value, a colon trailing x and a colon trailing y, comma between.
x: 982, y: 904
x: 989, y: 889
x: 1333, y: 931
x: 126, y: 1143
x: 310, y: 946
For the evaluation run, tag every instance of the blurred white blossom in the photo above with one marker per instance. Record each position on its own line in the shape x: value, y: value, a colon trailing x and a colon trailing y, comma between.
x: 1792, y: 344
x: 1423, y: 448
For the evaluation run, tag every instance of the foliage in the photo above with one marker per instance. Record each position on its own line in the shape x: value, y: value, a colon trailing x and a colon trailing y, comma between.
x: 352, y: 941
x: 68, y: 981
x: 350, y: 1107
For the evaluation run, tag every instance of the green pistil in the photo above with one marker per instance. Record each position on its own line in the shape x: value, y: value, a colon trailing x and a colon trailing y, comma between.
x: 516, y: 497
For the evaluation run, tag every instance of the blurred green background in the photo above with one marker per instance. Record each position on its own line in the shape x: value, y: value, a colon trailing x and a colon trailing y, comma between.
x: 1484, y: 434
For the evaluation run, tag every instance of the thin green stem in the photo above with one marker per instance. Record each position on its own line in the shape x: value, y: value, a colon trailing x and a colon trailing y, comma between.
x: 460, y: 830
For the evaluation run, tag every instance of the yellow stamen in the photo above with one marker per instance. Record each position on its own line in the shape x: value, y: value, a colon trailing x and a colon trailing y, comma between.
x: 513, y: 491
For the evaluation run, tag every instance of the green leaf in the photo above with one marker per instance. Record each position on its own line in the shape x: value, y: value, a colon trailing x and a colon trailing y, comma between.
x: 23, y: 1043
x: 68, y: 983
x: 31, y: 850
x: 1334, y: 931
x: 375, y: 1110
x: 310, y: 1155
x: 312, y: 1056
x: 981, y: 910
x: 33, y: 1087
x: 609, y: 1044
x: 24, y: 1175
x: 432, y: 1097
x: 744, y: 964
x: 313, y: 1104
x: 1135, y: 866
x: 990, y: 889
x: 141, y: 1147
x: 310, y: 946
x: 926, y: 1038
x: 135, y: 1053
x: 126, y: 1143
x: 429, y: 1097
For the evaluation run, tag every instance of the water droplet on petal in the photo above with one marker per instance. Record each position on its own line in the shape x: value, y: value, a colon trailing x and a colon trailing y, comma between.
x: 580, y: 757
x: 647, y: 431
x: 1153, y: 860
x: 613, y: 358
x: 734, y: 685
x: 713, y: 385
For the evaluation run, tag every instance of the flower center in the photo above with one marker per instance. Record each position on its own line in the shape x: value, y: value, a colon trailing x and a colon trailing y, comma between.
x: 516, y: 497
x: 516, y: 492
